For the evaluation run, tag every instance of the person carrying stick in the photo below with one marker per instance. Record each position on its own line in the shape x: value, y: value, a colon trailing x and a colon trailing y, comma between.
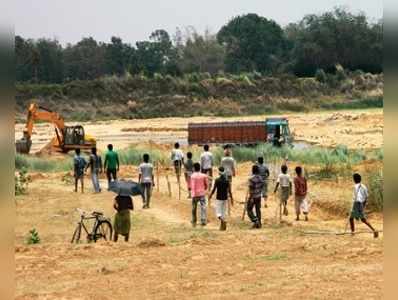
x: 360, y: 197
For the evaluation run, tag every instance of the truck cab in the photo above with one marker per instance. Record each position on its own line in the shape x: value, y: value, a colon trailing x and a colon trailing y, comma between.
x: 278, y: 131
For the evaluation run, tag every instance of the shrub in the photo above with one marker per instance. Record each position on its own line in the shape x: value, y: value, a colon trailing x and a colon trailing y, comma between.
x: 21, y: 182
x: 340, y: 73
x: 320, y: 75
x: 33, y: 237
x: 133, y: 155
x: 41, y: 164
x: 20, y: 161
x: 376, y: 190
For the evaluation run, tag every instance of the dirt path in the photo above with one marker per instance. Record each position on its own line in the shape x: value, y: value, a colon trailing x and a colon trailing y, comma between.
x: 168, y: 259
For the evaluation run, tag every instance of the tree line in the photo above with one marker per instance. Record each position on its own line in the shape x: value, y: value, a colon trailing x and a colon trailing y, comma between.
x: 247, y: 43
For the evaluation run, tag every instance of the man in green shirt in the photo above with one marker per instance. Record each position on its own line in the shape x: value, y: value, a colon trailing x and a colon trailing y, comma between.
x: 111, y: 164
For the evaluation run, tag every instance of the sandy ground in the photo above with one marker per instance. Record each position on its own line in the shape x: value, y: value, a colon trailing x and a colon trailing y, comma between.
x: 355, y: 129
x: 168, y: 259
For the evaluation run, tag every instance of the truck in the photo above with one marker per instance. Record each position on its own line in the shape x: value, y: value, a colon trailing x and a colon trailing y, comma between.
x: 272, y: 130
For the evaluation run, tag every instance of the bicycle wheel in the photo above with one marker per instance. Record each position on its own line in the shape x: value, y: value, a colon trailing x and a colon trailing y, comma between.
x: 103, y: 230
x: 76, y: 234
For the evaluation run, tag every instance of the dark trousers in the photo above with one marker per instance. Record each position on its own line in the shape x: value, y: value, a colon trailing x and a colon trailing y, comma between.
x: 252, y: 204
x: 147, y: 190
x: 111, y: 174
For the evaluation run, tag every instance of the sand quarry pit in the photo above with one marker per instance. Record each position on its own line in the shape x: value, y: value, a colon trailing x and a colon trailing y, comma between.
x: 355, y: 129
x: 168, y: 259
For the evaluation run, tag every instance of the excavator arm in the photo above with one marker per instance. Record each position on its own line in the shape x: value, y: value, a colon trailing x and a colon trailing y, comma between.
x: 38, y: 113
x: 67, y: 137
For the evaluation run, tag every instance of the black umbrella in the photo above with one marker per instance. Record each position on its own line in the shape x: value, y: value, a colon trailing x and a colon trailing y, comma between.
x: 126, y: 188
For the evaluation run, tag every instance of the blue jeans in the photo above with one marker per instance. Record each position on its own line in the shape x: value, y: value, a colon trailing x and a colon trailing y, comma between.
x: 96, y: 185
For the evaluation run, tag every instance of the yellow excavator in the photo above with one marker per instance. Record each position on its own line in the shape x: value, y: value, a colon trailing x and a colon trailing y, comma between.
x: 66, y: 138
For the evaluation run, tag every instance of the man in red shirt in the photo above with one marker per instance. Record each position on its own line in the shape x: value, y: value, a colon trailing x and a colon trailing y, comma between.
x: 199, y: 186
x: 300, y: 194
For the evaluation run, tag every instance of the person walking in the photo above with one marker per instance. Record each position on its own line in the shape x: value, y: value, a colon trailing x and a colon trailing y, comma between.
x: 264, y: 173
x: 79, y: 165
x: 199, y: 187
x: 285, y: 184
x: 256, y: 186
x: 188, y: 171
x: 222, y: 187
x: 229, y: 165
x: 177, y: 157
x: 146, y: 179
x: 360, y: 197
x: 207, y: 162
x: 95, y: 165
x: 122, y: 221
x: 300, y: 194
x: 111, y: 164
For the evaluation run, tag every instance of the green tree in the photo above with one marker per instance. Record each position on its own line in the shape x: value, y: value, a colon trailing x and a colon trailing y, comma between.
x: 50, y: 66
x: 201, y: 53
x: 253, y: 43
x: 155, y: 56
x: 117, y: 56
x: 85, y: 60
x: 336, y: 37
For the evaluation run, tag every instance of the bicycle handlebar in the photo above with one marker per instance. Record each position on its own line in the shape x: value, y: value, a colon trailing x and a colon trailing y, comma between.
x: 83, y: 213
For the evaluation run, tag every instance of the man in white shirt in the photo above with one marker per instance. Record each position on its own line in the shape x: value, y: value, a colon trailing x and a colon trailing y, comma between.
x: 229, y: 165
x: 206, y: 162
x: 146, y: 178
x: 285, y: 184
x: 360, y: 196
x: 177, y: 157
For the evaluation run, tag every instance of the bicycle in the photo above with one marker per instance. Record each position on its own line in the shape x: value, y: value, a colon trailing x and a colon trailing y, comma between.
x: 102, y: 228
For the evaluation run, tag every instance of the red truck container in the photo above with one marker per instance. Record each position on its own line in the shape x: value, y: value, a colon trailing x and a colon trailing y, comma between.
x: 250, y: 132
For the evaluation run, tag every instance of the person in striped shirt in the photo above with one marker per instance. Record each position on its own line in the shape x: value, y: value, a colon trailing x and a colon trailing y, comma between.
x: 256, y: 185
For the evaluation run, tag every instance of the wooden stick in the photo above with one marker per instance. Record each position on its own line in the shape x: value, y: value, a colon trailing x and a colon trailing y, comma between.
x: 168, y: 184
x: 245, y: 205
x: 157, y: 175
x: 229, y: 206
x: 179, y: 189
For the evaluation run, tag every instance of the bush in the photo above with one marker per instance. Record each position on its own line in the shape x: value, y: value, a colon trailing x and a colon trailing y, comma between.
x: 133, y: 155
x: 41, y: 164
x: 376, y: 191
x: 340, y: 73
x: 320, y: 76
x: 21, y: 182
x: 33, y: 237
x: 20, y: 161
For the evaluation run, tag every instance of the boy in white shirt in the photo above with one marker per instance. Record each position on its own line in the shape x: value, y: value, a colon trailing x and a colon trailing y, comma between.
x: 360, y: 196
x: 285, y: 183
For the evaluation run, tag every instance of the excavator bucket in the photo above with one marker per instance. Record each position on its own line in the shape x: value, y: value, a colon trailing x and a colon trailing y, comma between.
x: 23, y: 145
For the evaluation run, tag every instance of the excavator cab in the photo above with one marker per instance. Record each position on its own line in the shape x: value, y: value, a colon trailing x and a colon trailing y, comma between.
x: 74, y: 135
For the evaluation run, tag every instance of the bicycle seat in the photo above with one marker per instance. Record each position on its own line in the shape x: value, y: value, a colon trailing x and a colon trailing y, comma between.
x: 97, y: 213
